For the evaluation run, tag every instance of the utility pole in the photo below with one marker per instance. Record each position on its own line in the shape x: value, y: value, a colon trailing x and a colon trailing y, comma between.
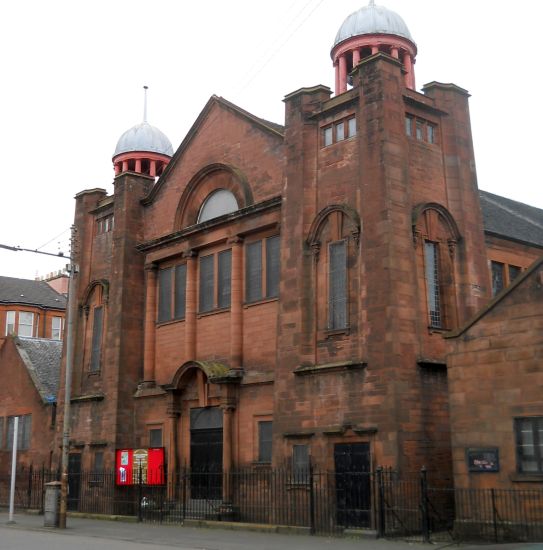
x: 68, y: 342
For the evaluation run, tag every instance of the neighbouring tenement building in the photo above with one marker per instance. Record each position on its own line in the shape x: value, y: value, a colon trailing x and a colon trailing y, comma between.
x: 30, y: 309
x: 273, y: 293
x: 31, y: 332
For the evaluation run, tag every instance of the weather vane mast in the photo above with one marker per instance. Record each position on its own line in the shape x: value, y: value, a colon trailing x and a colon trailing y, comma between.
x: 145, y: 88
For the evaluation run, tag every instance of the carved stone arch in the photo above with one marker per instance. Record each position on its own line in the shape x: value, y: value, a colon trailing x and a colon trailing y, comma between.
x: 213, y: 371
x: 351, y: 215
x: 103, y: 283
x: 208, y: 179
x: 443, y: 213
x: 435, y: 239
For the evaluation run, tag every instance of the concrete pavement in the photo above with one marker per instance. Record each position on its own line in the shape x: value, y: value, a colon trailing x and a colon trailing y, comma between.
x: 90, y: 534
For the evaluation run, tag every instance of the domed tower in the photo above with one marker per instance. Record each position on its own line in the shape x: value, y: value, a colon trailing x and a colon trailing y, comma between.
x: 143, y: 148
x: 365, y: 32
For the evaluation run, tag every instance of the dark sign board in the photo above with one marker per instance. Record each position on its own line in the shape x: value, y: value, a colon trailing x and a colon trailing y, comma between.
x: 483, y: 460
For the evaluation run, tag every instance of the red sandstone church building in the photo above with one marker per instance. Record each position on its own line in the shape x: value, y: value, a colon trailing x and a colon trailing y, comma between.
x: 272, y: 293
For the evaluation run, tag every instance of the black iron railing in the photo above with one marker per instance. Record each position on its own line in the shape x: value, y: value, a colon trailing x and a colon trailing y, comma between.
x: 318, y: 502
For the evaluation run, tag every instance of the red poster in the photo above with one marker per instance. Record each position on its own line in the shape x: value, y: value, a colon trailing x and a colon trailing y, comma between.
x: 155, y: 465
x: 123, y: 467
x: 133, y: 465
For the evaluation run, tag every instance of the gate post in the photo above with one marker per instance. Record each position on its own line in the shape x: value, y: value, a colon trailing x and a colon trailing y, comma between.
x: 494, y: 514
x: 140, y: 492
x: 311, y: 499
x: 424, y: 505
x: 185, y: 479
x: 29, y: 489
x: 381, y: 503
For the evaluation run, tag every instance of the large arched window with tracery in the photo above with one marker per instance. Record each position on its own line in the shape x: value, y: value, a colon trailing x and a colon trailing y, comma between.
x: 217, y: 204
x: 435, y: 236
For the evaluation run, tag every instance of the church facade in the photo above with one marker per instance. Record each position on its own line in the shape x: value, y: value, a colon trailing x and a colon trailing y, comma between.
x: 279, y: 293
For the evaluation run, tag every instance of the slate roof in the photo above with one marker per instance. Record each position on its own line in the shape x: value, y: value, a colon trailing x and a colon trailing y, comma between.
x: 512, y: 219
x: 26, y: 291
x: 42, y: 360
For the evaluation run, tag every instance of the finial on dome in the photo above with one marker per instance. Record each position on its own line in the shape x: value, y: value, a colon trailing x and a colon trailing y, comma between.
x: 145, y: 88
x: 371, y: 3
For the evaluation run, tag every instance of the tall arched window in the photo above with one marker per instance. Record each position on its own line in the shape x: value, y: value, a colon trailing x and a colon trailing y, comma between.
x: 435, y: 237
x: 334, y: 239
x: 95, y: 314
x: 217, y: 204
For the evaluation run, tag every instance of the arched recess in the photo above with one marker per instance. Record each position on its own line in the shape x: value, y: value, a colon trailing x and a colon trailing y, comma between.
x: 445, y: 218
x: 211, y: 178
x: 435, y: 238
x: 334, y: 239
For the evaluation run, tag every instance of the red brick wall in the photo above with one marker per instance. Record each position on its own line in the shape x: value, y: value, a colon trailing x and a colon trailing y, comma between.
x: 495, y: 375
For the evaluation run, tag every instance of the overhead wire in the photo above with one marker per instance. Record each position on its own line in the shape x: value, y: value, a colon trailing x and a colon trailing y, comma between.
x: 262, y: 64
x: 56, y: 237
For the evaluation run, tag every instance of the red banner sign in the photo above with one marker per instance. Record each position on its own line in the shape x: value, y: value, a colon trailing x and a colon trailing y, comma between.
x: 135, y: 465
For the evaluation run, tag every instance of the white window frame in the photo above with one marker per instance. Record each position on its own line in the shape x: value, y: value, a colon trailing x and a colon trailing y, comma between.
x: 56, y: 330
x: 20, y: 324
x: 10, y: 321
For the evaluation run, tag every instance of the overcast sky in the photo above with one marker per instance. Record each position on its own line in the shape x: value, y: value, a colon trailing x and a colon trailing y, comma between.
x: 72, y: 74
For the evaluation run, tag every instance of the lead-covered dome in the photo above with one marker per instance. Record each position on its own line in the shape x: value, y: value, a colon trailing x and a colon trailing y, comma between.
x: 144, y: 138
x: 372, y: 19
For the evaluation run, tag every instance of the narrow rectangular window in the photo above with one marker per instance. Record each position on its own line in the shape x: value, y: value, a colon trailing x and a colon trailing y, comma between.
x: 56, y: 328
x: 155, y: 437
x: 180, y: 291
x: 352, y: 127
x: 514, y: 272
x: 431, y: 258
x: 265, y: 441
x: 23, y: 432
x: 1, y: 432
x: 431, y: 133
x: 340, y: 131
x: 97, y: 473
x: 419, y: 129
x: 272, y: 267
x: 207, y: 285
x: 98, y: 466
x: 253, y: 272
x: 96, y: 347
x: 337, y: 285
x: 529, y: 436
x: 10, y: 322
x: 225, y: 276
x: 27, y: 431
x: 327, y: 136
x: 496, y: 269
x: 26, y: 324
x: 409, y: 126
x: 300, y: 463
x: 164, y: 294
